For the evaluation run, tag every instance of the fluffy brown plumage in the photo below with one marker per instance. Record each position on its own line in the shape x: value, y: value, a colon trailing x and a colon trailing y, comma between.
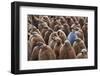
x: 47, y: 37
x: 46, y: 53
x: 57, y: 47
x: 82, y: 54
x: 66, y: 51
x: 35, y: 51
x: 62, y: 35
x: 34, y: 39
x: 47, y: 34
x: 79, y: 45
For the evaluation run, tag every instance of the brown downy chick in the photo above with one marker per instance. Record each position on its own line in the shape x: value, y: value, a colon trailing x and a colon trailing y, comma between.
x: 66, y: 51
x: 46, y: 53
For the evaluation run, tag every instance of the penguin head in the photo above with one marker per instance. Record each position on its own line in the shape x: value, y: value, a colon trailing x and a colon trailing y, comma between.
x: 58, y: 40
x: 43, y: 46
x: 84, y: 51
x: 40, y: 43
x: 54, y: 34
x: 78, y: 40
x: 67, y: 43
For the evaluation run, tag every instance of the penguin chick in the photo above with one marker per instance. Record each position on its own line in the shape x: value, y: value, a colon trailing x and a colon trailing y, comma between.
x: 46, y: 36
x: 82, y: 54
x: 66, y: 51
x: 34, y: 29
x: 78, y: 45
x: 52, y: 36
x: 62, y: 35
x: 36, y: 49
x: 57, y: 47
x: 34, y: 38
x: 46, y: 53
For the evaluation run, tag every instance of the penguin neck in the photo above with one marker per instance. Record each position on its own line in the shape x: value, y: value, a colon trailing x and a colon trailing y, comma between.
x: 68, y: 47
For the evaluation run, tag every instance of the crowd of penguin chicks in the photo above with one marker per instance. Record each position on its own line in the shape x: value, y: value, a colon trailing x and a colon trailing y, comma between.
x: 57, y: 37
